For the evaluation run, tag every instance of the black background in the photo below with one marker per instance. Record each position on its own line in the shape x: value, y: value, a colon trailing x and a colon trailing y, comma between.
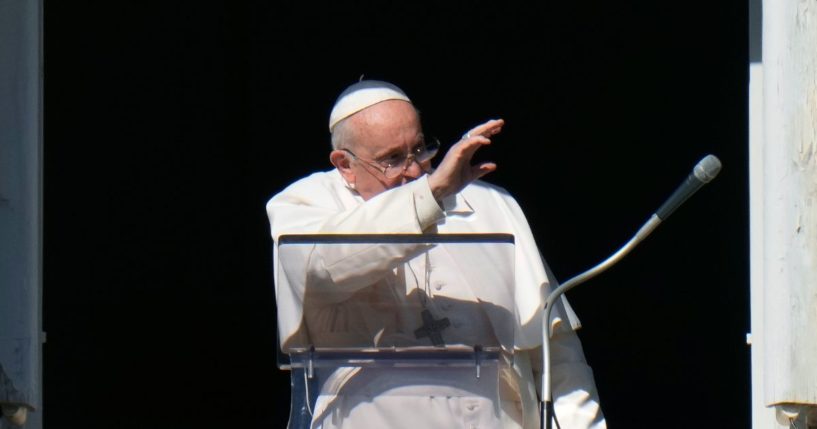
x: 169, y: 124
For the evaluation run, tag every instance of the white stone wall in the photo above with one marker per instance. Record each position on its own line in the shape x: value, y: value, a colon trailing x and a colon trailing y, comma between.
x: 784, y: 210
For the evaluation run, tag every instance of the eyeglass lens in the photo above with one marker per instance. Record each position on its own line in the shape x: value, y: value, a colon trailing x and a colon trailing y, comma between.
x: 421, y: 154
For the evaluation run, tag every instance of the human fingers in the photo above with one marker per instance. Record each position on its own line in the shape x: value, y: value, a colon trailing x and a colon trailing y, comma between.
x: 461, y: 156
x: 455, y: 170
x: 487, y: 129
x: 458, y: 156
x: 477, y: 171
x: 464, y: 149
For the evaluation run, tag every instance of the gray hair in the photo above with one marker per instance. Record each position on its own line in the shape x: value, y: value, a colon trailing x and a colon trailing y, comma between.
x: 342, y: 135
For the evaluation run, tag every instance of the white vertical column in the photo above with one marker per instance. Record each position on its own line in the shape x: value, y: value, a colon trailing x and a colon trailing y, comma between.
x: 789, y: 192
x: 20, y: 211
x: 762, y: 416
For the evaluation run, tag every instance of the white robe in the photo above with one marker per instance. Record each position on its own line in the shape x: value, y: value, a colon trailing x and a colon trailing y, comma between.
x: 323, y: 203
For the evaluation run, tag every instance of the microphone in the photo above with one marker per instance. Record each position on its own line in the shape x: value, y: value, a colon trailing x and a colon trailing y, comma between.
x: 703, y: 173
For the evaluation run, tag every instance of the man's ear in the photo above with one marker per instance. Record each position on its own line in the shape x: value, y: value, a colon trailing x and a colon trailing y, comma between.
x: 342, y: 161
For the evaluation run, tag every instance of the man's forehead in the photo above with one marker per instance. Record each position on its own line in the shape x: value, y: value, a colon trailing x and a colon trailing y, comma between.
x: 385, y: 125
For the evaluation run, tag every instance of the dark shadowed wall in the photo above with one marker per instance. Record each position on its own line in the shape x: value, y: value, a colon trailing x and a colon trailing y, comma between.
x: 169, y: 124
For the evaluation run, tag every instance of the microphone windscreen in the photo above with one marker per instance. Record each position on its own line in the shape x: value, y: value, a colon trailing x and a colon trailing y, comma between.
x: 707, y: 168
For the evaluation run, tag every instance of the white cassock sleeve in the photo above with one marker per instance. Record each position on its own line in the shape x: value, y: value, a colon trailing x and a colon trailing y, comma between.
x: 321, y: 203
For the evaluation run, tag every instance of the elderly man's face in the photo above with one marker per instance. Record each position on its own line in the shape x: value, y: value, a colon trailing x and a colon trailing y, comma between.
x: 389, y: 129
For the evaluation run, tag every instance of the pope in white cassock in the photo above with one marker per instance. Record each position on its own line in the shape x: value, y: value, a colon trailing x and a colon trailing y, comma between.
x: 378, y: 296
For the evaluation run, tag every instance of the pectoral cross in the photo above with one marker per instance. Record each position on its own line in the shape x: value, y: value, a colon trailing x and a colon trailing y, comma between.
x: 432, y: 328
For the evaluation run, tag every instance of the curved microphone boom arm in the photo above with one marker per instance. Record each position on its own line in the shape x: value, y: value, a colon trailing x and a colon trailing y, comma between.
x: 703, y: 173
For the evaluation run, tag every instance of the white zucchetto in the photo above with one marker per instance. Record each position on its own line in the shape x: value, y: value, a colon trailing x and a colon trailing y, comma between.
x: 361, y: 95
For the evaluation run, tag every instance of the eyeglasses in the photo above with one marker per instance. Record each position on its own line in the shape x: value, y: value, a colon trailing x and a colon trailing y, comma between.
x: 394, y: 165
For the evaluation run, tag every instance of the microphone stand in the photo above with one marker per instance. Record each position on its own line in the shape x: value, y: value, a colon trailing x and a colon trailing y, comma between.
x: 706, y: 170
x: 546, y: 410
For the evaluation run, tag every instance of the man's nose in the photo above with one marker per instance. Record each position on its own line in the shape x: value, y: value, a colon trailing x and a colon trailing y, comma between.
x: 412, y: 169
